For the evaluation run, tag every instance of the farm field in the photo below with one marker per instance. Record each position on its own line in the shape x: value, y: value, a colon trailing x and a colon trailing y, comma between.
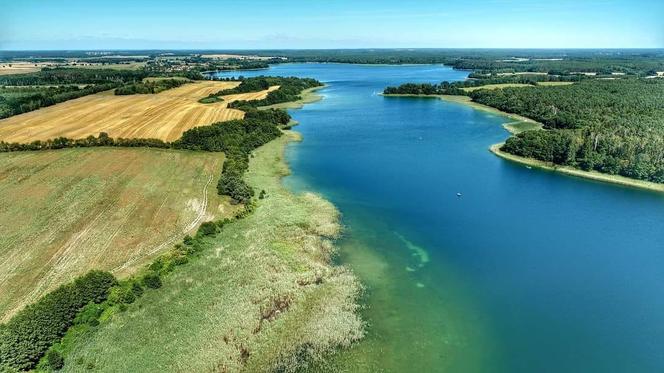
x: 24, y: 67
x: 67, y: 211
x: 9, y: 68
x: 164, y: 116
x: 261, y: 296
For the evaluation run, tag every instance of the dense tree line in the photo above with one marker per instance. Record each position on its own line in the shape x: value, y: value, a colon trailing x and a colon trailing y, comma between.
x: 69, y: 76
x: 147, y: 87
x: 18, y: 100
x: 483, y: 61
x: 63, y: 142
x: 612, y: 126
x: 455, y: 88
x: 289, y: 90
x: 565, y: 65
x: 32, y: 331
x: 552, y: 62
x: 444, y: 88
x: 237, y: 139
x: 226, y: 64
x: 247, y: 85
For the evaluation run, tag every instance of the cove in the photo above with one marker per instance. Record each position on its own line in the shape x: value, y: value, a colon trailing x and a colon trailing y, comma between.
x: 527, y: 271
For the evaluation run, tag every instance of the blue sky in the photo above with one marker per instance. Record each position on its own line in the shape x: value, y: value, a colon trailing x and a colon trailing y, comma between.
x: 221, y: 24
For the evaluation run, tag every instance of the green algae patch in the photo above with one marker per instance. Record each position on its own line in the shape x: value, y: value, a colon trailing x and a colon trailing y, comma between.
x: 262, y: 296
x: 420, y: 255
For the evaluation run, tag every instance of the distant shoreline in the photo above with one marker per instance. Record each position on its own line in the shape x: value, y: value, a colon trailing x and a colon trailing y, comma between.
x: 514, y: 128
x: 465, y: 100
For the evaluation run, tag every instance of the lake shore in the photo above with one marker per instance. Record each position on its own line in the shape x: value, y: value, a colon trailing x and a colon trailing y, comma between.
x: 592, y: 175
x: 308, y: 96
x: 465, y: 100
x: 520, y: 124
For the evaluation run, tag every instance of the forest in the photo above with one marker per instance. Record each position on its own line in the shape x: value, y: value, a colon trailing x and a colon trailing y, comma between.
x: 551, y: 61
x: 611, y: 126
x: 455, y: 88
x: 29, y: 334
x: 639, y: 62
x: 68, y: 76
x: 289, y: 90
x: 18, y: 100
x: 149, y: 87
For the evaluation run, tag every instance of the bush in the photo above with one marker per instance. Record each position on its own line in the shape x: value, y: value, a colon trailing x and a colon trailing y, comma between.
x: 152, y: 280
x: 156, y: 265
x: 136, y: 288
x: 122, y: 294
x: 234, y: 187
x: 29, y: 334
x: 55, y: 360
x: 89, y: 314
x: 188, y: 240
x: 207, y: 229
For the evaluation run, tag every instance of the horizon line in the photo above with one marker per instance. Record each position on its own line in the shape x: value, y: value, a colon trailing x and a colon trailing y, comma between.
x: 324, y: 48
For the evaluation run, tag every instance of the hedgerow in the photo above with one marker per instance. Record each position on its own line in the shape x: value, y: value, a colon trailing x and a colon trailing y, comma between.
x: 29, y: 334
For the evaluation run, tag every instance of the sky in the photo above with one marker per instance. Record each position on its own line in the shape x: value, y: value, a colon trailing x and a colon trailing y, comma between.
x: 263, y: 24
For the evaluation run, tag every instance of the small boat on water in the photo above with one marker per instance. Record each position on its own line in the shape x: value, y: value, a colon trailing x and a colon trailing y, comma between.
x: 459, y: 194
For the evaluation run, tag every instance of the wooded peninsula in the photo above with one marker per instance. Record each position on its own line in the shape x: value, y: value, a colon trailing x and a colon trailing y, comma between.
x: 611, y: 124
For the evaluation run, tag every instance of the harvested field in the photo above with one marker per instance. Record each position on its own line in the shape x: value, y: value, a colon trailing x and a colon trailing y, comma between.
x: 65, y: 212
x: 164, y: 116
x: 9, y: 68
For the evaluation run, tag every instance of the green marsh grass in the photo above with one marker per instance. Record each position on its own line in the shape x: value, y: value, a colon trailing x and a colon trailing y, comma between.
x: 262, y: 296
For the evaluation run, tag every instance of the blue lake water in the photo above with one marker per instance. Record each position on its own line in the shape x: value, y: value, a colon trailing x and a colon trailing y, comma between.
x: 527, y: 271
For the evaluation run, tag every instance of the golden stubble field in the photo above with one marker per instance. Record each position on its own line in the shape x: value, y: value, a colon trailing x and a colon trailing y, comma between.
x: 164, y: 116
x: 65, y: 212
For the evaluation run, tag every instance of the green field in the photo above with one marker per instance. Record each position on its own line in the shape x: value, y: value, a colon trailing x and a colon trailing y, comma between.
x: 495, y: 86
x: 65, y: 212
x: 522, y: 126
x: 553, y: 84
x: 262, y: 297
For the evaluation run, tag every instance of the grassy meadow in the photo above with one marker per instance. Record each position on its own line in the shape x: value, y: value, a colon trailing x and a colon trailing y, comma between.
x: 263, y: 296
x: 553, y: 84
x: 65, y: 212
x: 495, y: 86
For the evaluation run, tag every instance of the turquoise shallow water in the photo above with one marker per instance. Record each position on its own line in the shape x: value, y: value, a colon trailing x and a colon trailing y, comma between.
x: 528, y: 271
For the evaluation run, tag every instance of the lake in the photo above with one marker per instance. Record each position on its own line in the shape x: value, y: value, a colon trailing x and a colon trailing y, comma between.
x: 526, y: 271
